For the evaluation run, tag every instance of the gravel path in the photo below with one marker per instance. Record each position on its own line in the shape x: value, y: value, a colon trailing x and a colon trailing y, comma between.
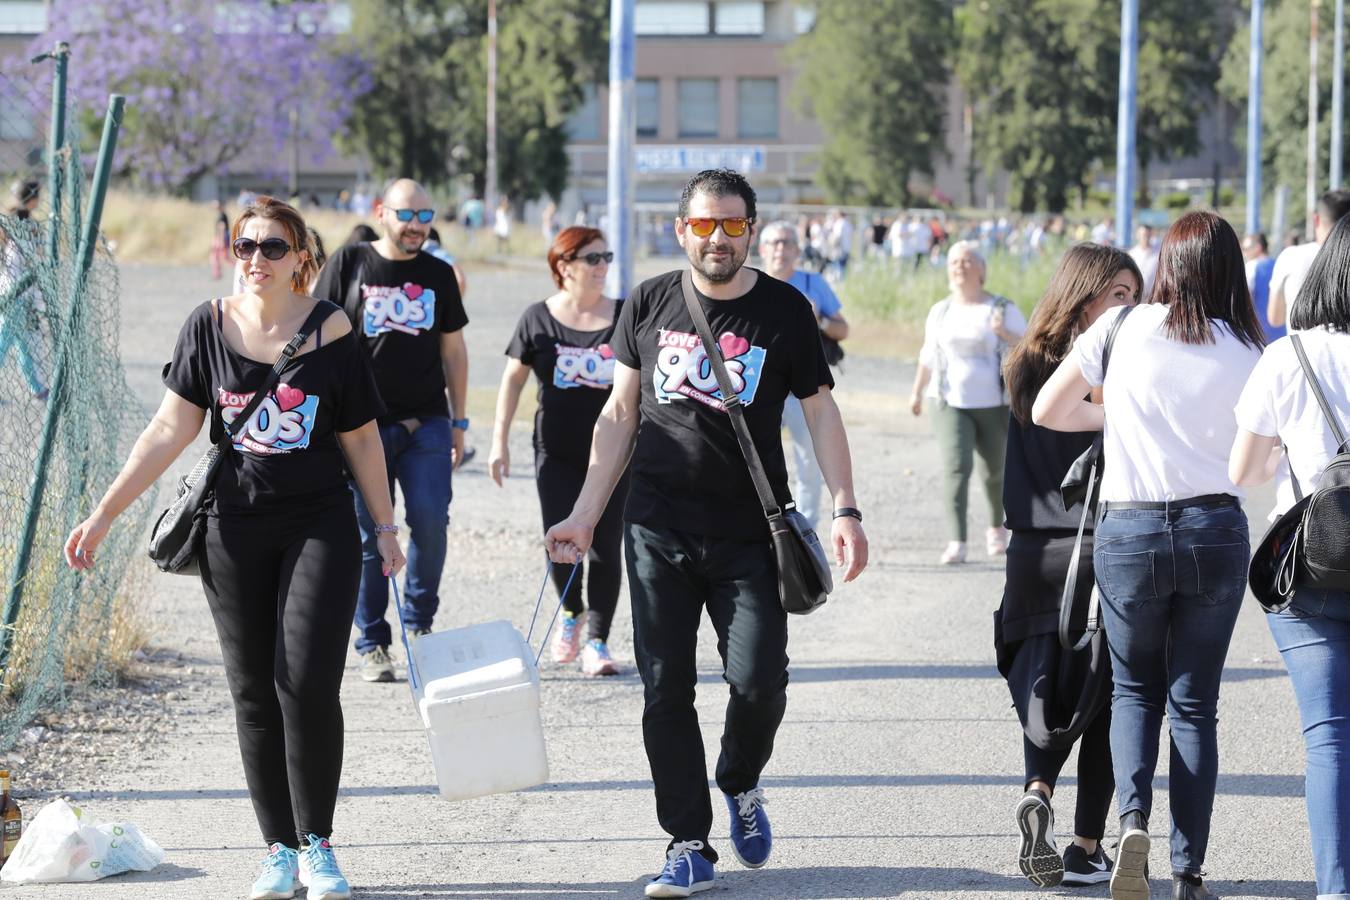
x: 896, y: 769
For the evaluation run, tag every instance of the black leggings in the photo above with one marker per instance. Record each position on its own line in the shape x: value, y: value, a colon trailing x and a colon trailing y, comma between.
x: 282, y: 591
x: 1096, y: 780
x: 559, y: 482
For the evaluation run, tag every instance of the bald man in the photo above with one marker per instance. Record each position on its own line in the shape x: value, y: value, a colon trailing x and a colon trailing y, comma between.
x: 405, y: 305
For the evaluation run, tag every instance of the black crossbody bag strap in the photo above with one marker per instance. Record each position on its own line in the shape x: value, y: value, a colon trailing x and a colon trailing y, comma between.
x: 1094, y: 620
x: 731, y: 402
x: 1337, y: 431
x: 322, y: 310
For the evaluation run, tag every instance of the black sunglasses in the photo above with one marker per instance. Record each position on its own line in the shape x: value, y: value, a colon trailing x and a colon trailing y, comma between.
x: 272, y: 248
x: 594, y: 259
x: 423, y: 215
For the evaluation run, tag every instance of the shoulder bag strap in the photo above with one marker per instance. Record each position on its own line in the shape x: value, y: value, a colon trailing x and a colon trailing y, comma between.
x: 1327, y: 411
x: 1071, y: 577
x: 731, y: 401
x: 322, y: 310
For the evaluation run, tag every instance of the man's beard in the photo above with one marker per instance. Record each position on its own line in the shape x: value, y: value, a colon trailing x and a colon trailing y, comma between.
x: 410, y: 243
x: 719, y: 272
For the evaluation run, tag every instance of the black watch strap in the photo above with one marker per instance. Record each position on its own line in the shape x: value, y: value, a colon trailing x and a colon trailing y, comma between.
x: 848, y: 511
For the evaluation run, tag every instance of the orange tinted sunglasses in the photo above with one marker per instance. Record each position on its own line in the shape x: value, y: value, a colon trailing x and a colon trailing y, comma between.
x: 734, y: 227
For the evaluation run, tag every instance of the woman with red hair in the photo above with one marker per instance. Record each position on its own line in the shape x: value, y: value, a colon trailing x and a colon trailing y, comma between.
x: 565, y: 341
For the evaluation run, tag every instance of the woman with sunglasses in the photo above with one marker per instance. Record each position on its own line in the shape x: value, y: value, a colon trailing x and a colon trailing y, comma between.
x: 281, y: 557
x: 565, y: 340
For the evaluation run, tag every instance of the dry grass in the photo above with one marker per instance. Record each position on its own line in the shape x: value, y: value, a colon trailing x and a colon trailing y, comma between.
x: 173, y: 231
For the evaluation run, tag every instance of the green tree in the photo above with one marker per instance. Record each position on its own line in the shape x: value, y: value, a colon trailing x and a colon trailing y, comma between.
x: 1040, y: 76
x: 874, y: 75
x: 1284, y: 91
x: 426, y: 116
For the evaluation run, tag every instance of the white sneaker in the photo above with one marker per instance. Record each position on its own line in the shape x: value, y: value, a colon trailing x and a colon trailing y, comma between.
x: 954, y: 554
x: 996, y: 541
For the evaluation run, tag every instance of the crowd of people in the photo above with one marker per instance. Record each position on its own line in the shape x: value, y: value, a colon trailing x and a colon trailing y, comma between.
x: 1156, y: 356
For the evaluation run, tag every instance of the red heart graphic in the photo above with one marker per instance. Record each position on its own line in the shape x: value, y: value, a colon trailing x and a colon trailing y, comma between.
x: 605, y: 351
x: 732, y: 346
x: 288, y: 398
x: 412, y: 291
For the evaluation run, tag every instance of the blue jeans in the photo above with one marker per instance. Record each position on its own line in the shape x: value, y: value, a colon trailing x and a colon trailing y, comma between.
x: 1171, y: 584
x: 1316, y: 651
x: 420, y: 462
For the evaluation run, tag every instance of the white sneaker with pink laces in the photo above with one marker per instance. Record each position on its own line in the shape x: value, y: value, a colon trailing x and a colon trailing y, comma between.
x: 595, y: 659
x: 567, y: 639
x: 996, y: 541
x: 954, y: 554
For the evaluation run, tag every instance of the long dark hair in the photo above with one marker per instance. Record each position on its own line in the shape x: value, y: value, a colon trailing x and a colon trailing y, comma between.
x: 1201, y: 278
x: 1324, y: 298
x: 1085, y: 271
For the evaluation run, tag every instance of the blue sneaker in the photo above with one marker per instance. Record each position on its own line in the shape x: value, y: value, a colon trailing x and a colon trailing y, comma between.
x: 686, y: 872
x: 751, y: 836
x: 279, y: 871
x: 320, y: 873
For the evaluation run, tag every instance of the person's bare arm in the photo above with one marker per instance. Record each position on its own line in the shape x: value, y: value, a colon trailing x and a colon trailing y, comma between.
x: 365, y: 457
x: 514, y: 377
x: 1254, y: 459
x: 1061, y: 405
x: 1277, y: 308
x: 455, y: 365
x: 836, y: 464
x: 172, y: 428
x: 922, y: 375
x: 834, y: 327
x: 611, y: 446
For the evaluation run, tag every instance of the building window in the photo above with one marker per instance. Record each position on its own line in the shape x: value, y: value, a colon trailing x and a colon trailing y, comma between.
x: 648, y: 102
x: 698, y: 107
x: 672, y: 17
x: 584, y: 124
x: 23, y: 17
x: 757, y: 107
x: 740, y: 17
x: 804, y: 18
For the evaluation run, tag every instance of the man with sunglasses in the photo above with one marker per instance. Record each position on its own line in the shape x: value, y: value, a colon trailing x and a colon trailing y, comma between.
x: 695, y: 533
x: 406, y: 306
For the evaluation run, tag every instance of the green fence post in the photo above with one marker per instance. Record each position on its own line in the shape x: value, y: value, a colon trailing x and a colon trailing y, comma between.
x: 55, y: 144
x: 88, y: 241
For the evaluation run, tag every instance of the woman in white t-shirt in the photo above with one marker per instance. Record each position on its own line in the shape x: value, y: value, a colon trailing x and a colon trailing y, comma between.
x: 1171, y: 546
x: 966, y: 337
x: 1278, y: 407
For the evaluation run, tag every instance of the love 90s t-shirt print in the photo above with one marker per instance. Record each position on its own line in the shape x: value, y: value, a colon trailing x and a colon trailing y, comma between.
x: 281, y: 423
x: 591, y: 367
x: 683, y: 370
x: 409, y: 309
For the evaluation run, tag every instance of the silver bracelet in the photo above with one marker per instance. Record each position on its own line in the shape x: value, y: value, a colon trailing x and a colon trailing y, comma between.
x: 386, y: 529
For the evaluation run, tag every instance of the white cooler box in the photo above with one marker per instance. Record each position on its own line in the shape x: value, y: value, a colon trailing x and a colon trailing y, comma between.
x: 478, y: 694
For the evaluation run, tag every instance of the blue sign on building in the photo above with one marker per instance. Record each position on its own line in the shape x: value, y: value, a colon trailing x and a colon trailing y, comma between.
x: 696, y: 159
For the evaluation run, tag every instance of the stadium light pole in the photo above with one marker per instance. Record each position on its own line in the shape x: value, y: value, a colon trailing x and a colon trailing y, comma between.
x: 1254, y: 122
x: 1337, y: 99
x: 1129, y: 73
x: 490, y: 176
x: 622, y: 137
x: 1310, y: 188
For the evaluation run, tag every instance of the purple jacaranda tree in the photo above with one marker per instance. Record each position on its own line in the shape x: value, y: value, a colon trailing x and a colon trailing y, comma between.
x: 208, y: 82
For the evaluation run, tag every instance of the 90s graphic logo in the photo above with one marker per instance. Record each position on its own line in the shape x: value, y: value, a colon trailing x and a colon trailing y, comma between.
x: 281, y: 423
x: 682, y: 368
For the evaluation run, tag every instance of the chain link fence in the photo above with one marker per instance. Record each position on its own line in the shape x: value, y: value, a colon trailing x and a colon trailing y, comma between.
x: 67, y: 415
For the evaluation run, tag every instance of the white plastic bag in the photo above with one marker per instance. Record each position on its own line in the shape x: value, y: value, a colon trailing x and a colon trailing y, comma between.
x: 62, y: 844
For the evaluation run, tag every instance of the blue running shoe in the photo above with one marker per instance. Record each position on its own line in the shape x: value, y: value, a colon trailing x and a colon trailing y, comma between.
x: 751, y: 836
x: 279, y: 871
x: 320, y: 873
x: 686, y: 872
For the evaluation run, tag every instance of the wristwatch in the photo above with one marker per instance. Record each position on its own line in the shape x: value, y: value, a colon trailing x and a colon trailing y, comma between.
x: 848, y: 511
x: 461, y: 424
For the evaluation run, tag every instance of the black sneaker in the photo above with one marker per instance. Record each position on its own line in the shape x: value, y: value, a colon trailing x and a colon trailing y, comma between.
x: 1037, y: 857
x: 1082, y: 868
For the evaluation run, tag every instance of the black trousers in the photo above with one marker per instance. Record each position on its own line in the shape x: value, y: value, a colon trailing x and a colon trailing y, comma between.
x: 282, y: 591
x: 672, y: 576
x: 1096, y: 780
x: 559, y: 482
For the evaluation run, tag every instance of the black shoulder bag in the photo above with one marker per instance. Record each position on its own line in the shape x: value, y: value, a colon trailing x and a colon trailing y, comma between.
x: 1080, y: 486
x: 804, y: 579
x: 177, y: 535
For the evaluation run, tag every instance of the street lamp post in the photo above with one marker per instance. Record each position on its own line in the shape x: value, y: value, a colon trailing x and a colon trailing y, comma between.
x: 1310, y: 188
x: 1129, y: 70
x: 490, y: 177
x: 1254, y: 122
x: 1337, y: 79
x: 622, y: 136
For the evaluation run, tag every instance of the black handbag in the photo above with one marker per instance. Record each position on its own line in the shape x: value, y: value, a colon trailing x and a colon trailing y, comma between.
x: 177, y: 536
x: 804, y: 578
x: 1080, y: 485
x: 1307, y: 546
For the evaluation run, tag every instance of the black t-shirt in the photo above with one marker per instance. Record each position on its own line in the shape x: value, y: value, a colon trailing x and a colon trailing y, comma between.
x: 404, y: 308
x: 288, y: 459
x: 1036, y: 463
x: 688, y: 471
x: 576, y: 374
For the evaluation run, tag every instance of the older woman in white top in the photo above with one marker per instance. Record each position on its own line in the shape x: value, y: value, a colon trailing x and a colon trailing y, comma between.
x: 966, y: 337
x: 1277, y: 407
x: 1171, y: 548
